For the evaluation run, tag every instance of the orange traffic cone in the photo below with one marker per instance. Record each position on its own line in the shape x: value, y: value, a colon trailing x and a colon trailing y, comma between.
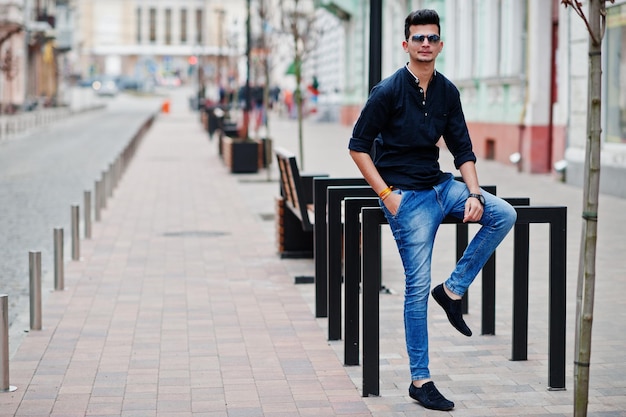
x: 165, y: 108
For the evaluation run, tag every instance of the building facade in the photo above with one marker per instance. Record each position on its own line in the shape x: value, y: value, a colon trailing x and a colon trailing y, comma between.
x: 521, y: 67
x: 574, y: 57
x: 13, y: 56
x: 30, y: 52
x: 166, y: 41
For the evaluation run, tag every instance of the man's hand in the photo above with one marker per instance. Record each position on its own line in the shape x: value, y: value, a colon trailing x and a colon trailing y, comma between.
x: 473, y: 210
x: 392, y: 202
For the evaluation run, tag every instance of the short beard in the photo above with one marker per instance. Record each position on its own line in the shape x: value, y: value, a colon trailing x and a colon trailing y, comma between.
x: 419, y: 59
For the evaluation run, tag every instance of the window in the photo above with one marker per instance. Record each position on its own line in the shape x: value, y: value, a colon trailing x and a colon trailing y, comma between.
x: 199, y: 26
x: 168, y: 26
x: 465, y: 57
x: 138, y: 24
x: 153, y: 22
x: 488, y: 38
x: 493, y: 39
x: 183, y: 26
x: 616, y: 74
x: 512, y: 45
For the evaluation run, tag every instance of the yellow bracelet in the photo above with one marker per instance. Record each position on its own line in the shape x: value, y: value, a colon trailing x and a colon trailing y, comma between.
x: 385, y: 193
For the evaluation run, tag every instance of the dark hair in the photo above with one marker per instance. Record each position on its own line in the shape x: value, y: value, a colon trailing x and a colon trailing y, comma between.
x: 421, y: 17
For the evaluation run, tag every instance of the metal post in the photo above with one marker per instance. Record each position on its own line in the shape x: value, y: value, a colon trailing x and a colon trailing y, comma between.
x: 113, y: 169
x: 118, y: 171
x: 59, y: 279
x: 371, y: 265
x: 87, y: 214
x: 376, y: 48
x: 4, y: 345
x: 75, y: 235
x: 34, y: 263
x: 103, y: 189
x: 110, y: 180
x: 97, y: 198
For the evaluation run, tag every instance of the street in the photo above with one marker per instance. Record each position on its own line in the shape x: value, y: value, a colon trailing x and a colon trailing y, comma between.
x: 46, y: 171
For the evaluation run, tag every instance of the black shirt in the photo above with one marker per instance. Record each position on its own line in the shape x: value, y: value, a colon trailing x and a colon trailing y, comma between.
x: 404, y: 129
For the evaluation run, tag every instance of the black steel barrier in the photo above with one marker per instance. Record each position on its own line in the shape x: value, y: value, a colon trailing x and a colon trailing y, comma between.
x: 334, y: 248
x: 335, y: 224
x: 352, y: 274
x: 556, y: 217
x: 319, y: 237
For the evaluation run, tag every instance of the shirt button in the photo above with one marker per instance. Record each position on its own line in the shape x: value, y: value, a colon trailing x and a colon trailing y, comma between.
x: 426, y: 114
x: 423, y: 102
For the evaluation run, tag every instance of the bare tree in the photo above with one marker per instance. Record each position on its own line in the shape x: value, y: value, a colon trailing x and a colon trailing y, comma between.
x: 596, y: 24
x: 8, y: 67
x: 299, y: 21
x: 265, y: 45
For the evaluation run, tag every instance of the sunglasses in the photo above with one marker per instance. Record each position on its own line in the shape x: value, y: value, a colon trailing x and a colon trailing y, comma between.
x: 434, y: 39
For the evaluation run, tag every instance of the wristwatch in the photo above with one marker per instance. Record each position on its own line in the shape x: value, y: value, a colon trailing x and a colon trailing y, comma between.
x: 479, y: 197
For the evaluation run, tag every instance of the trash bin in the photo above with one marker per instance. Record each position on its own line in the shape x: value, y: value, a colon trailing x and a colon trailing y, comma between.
x: 215, y: 115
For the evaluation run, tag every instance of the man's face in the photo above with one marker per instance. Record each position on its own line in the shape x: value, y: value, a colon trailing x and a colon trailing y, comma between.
x: 422, y: 46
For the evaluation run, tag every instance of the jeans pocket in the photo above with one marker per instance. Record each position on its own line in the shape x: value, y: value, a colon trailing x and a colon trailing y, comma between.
x: 388, y: 213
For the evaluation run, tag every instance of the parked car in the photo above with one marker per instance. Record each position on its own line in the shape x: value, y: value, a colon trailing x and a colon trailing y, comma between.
x: 169, y: 81
x: 125, y: 82
x: 105, y: 86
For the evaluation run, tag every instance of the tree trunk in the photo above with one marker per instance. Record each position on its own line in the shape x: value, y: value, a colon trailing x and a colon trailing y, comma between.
x: 587, y: 267
x: 299, y: 100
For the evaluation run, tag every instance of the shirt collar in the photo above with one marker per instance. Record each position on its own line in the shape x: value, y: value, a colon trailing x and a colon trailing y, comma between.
x: 417, y: 80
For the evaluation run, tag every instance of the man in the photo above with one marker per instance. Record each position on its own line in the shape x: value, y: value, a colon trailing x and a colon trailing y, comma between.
x: 401, y: 123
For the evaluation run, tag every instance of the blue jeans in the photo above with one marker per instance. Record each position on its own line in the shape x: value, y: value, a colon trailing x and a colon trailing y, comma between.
x: 414, y: 227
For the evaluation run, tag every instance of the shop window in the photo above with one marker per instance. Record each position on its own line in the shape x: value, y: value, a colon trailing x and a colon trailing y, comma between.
x: 183, y: 26
x: 153, y: 23
x: 490, y: 149
x: 168, y: 26
x: 616, y: 74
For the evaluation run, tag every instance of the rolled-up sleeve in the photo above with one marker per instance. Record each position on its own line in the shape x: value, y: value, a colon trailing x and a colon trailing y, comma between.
x: 370, y: 122
x: 457, y: 136
x: 359, y: 145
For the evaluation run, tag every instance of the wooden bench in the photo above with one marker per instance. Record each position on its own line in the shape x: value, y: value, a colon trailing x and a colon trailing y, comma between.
x: 301, y: 217
x: 294, y: 207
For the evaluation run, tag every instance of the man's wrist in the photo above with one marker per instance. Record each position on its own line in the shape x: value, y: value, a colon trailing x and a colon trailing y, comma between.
x: 478, y: 196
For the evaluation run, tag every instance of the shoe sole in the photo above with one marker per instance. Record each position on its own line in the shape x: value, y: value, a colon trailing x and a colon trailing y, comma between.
x: 430, y: 408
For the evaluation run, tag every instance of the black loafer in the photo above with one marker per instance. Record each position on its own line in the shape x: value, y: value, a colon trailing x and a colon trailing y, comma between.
x: 453, y: 309
x: 430, y: 397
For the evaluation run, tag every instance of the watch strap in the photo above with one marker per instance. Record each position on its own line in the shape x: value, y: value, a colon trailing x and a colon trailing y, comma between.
x: 479, y: 197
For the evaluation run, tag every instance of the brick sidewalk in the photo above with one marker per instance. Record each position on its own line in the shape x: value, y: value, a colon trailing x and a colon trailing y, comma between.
x: 180, y: 305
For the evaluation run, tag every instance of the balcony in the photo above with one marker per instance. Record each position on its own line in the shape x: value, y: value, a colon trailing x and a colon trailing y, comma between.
x: 11, y: 13
x: 49, y: 19
x: 339, y: 8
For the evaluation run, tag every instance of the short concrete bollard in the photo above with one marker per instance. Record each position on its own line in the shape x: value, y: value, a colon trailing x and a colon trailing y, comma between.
x: 4, y: 345
x: 75, y: 234
x: 97, y: 200
x: 104, y: 182
x: 59, y: 278
x: 87, y: 204
x: 34, y: 266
